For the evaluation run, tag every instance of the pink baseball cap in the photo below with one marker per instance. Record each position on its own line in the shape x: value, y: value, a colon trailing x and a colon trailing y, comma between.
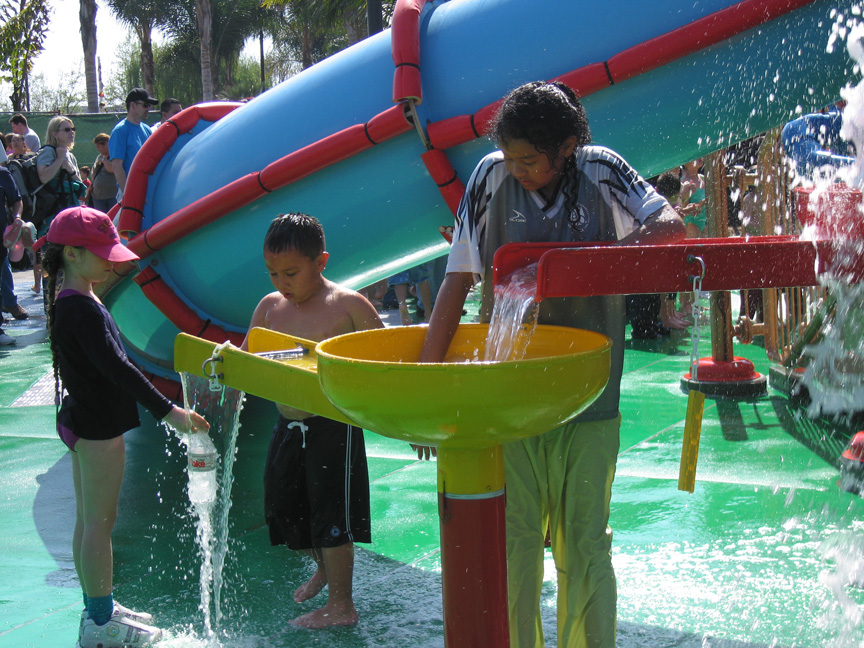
x: 89, y: 228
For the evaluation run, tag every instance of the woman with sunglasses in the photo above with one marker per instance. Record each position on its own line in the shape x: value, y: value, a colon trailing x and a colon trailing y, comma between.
x: 58, y: 171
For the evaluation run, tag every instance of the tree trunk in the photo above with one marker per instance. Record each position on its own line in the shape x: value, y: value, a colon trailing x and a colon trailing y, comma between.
x: 204, y: 18
x: 145, y: 35
x: 263, y: 75
x: 374, y: 19
x: 87, y: 17
x: 306, y: 48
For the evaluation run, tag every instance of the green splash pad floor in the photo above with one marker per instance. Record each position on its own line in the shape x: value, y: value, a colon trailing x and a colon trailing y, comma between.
x: 758, y: 555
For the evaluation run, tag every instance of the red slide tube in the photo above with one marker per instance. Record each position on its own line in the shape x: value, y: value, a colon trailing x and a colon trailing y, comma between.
x: 405, y: 45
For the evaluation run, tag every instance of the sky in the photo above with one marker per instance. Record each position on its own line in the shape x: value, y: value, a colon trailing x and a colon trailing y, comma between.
x: 63, y: 51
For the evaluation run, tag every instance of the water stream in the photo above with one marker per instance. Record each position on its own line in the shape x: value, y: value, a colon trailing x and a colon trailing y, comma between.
x: 834, y: 375
x: 514, y: 316
x: 222, y: 410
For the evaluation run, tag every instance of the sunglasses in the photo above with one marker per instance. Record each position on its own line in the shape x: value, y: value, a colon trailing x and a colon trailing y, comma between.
x: 67, y: 129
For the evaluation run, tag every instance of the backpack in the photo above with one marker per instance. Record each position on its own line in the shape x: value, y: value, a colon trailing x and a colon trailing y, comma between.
x: 40, y: 200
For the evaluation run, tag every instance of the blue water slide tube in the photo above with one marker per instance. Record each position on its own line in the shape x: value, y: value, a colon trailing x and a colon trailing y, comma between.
x: 381, y: 208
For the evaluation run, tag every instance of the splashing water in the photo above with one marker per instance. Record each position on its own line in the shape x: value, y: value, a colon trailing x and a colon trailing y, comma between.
x: 835, y: 374
x: 514, y: 316
x: 846, y: 551
x: 222, y: 410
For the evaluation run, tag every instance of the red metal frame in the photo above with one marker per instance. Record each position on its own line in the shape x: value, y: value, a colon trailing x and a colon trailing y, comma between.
x: 570, y: 270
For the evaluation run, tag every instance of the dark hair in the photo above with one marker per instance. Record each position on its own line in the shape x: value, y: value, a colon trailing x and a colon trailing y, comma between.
x: 52, y: 267
x: 18, y: 118
x: 167, y: 103
x: 544, y: 114
x: 668, y: 184
x: 295, y: 231
x: 101, y: 137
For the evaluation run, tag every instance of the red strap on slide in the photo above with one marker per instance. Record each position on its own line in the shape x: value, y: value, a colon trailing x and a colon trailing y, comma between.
x: 444, y: 175
x: 152, y: 152
x: 178, y: 313
x: 702, y: 33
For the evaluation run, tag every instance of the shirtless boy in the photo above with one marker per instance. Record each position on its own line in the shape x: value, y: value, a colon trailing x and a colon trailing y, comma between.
x: 311, y: 501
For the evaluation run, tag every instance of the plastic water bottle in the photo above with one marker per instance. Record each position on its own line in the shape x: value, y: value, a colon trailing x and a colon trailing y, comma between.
x: 202, y: 457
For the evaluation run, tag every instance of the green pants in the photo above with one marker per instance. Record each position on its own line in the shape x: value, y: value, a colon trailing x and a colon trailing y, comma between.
x: 562, y: 480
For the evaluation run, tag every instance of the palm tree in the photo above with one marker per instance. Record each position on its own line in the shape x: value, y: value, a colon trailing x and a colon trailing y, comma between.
x: 232, y: 22
x: 87, y: 17
x: 204, y: 21
x: 142, y: 16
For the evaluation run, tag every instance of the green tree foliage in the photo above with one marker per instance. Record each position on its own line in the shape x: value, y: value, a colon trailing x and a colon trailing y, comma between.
x: 66, y: 95
x: 143, y: 16
x: 303, y: 32
x: 233, y: 22
x: 315, y: 29
x: 23, y: 26
x: 178, y: 74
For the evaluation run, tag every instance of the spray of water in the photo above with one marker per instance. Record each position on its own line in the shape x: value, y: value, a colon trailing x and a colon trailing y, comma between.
x: 835, y: 374
x: 222, y: 410
x: 514, y: 316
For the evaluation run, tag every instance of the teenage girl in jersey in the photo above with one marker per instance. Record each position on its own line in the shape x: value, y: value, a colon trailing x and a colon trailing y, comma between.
x: 547, y: 183
x: 97, y: 390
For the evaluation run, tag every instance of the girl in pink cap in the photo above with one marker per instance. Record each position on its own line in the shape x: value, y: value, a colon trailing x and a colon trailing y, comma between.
x: 97, y: 390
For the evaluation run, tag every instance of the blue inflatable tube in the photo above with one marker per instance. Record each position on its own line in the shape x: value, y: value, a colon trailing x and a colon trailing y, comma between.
x: 380, y: 208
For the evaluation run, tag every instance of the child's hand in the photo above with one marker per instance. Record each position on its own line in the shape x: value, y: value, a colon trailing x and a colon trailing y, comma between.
x: 424, y: 452
x: 186, y: 420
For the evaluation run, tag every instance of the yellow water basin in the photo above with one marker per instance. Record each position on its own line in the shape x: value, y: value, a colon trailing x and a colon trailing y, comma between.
x: 372, y: 378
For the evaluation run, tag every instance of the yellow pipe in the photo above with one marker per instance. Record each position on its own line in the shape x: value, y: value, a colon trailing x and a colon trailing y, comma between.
x: 470, y: 471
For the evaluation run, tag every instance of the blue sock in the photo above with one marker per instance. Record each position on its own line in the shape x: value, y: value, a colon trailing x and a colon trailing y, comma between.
x: 85, y: 601
x: 100, y: 608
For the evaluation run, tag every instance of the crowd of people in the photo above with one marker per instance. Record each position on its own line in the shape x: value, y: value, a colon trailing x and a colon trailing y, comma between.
x: 545, y: 169
x: 39, y: 180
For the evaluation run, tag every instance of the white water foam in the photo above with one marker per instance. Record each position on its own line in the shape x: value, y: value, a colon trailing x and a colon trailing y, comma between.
x: 835, y: 374
x: 514, y: 316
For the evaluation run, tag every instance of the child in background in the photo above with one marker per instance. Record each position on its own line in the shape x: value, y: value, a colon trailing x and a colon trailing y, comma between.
x: 97, y: 405
x: 416, y: 277
x: 316, y: 482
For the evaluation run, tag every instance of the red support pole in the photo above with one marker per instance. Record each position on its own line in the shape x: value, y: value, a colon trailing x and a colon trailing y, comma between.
x: 473, y: 570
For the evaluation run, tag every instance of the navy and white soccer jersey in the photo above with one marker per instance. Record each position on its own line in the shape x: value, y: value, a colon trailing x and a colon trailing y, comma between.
x: 610, y: 200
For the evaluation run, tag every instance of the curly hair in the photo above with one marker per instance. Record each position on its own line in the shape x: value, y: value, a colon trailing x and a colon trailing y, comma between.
x: 544, y: 114
x: 52, y: 267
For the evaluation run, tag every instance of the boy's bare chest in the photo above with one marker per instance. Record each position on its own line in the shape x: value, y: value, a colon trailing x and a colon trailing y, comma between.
x: 309, y: 323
